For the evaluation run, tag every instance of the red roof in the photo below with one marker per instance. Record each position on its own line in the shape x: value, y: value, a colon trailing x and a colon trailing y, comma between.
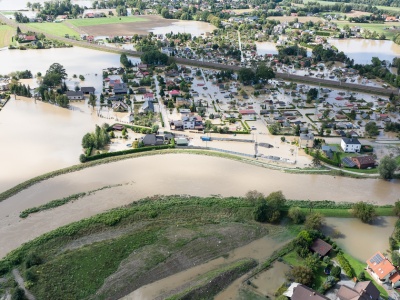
x: 30, y: 38
x: 339, y: 98
x: 247, y: 112
x: 148, y: 95
x: 174, y: 92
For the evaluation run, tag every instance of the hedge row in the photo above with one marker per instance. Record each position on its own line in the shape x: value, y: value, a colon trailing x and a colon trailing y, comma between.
x: 129, y: 151
x: 323, y: 158
x: 344, y: 263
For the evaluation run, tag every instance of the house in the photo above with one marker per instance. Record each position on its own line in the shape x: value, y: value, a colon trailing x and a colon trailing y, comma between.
x: 297, y: 291
x: 382, y: 270
x: 328, y: 151
x: 350, y: 144
x: 152, y: 140
x: 321, y: 247
x: 363, y: 290
x: 72, y: 95
x: 120, y: 106
x: 120, y: 88
x: 306, y: 140
x: 148, y: 97
x: 88, y: 90
x: 147, y: 106
x: 193, y: 122
x: 364, y: 162
x: 182, y: 142
x: 177, y: 125
x: 174, y: 93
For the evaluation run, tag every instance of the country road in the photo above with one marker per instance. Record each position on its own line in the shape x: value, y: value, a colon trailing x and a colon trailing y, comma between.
x: 211, y: 65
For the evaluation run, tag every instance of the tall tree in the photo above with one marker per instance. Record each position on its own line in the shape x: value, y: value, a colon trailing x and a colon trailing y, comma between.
x: 387, y: 167
x: 92, y: 100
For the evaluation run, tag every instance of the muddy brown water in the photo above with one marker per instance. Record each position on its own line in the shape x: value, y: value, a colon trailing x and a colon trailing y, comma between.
x: 260, y: 250
x: 362, y: 50
x: 359, y: 239
x: 169, y: 174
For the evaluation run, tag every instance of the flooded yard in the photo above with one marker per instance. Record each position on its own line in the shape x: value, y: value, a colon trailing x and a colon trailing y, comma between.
x: 359, y: 239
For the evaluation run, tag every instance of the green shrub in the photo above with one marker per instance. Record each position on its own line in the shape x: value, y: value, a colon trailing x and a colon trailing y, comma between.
x: 33, y: 260
x: 345, y: 265
x: 82, y: 158
x: 335, y: 271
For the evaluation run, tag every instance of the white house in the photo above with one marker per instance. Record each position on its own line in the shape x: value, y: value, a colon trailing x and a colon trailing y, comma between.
x: 350, y: 145
x: 306, y: 140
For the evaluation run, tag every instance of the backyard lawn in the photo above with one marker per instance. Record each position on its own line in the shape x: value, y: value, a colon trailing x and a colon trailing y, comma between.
x: 6, y: 33
x: 58, y: 29
x: 103, y: 21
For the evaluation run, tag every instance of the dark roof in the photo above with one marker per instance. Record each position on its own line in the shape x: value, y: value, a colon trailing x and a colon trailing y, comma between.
x: 87, y: 89
x: 364, y: 290
x: 351, y: 141
x: 73, y: 93
x: 348, y: 162
x: 148, y: 106
x: 321, y: 247
x: 364, y: 160
x: 301, y: 292
x: 152, y: 139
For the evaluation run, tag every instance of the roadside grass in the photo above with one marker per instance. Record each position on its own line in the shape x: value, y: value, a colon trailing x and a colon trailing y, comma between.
x: 103, y: 21
x: 58, y: 29
x: 6, y: 33
x: 358, y: 267
x: 362, y: 171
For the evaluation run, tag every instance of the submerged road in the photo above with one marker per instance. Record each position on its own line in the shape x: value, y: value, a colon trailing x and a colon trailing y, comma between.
x: 279, y: 75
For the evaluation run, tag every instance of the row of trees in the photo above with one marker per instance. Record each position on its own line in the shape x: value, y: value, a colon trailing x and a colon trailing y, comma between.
x: 97, y: 139
x: 261, y: 74
x: 154, y: 57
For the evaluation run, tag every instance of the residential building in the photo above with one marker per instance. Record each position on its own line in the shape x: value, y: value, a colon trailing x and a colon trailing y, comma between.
x: 321, y: 247
x: 72, y: 95
x: 120, y: 89
x: 350, y: 144
x: 88, y: 90
x: 297, y: 291
x: 382, y: 270
x: 148, y: 97
x: 364, y: 162
x: 152, y: 140
x: 120, y: 106
x: 193, y: 122
x: 306, y: 140
x: 363, y: 290
x: 147, y: 106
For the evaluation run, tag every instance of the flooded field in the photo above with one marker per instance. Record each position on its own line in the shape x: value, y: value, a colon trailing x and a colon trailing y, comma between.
x: 195, y: 28
x: 260, y: 250
x: 355, y: 237
x: 362, y: 50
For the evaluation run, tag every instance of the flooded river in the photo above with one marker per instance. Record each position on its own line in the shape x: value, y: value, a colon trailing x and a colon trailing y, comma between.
x: 169, y: 174
x: 362, y: 50
x: 355, y: 237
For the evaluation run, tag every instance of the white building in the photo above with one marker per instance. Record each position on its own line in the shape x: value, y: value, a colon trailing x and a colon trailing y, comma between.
x: 350, y: 145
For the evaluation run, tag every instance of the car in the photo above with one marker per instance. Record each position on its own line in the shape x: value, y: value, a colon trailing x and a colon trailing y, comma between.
x: 253, y: 128
x: 129, y: 145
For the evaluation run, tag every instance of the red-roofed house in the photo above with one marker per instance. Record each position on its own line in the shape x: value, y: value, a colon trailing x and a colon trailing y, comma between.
x: 246, y: 112
x: 148, y: 97
x: 174, y: 93
x: 382, y: 270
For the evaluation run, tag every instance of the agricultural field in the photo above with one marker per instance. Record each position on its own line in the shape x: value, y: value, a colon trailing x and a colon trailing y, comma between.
x: 379, y: 28
x: 58, y: 29
x: 6, y: 33
x: 104, y: 21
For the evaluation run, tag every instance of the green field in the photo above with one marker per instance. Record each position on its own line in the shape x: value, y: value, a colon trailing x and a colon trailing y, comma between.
x: 58, y: 29
x: 103, y: 21
x: 379, y: 28
x: 6, y: 32
x: 389, y: 8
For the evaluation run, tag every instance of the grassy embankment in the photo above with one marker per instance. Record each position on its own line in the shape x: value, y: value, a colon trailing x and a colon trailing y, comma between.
x: 152, y: 234
x: 6, y: 33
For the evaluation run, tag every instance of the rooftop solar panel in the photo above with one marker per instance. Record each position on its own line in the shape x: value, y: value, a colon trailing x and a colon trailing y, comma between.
x: 377, y: 258
x: 348, y: 162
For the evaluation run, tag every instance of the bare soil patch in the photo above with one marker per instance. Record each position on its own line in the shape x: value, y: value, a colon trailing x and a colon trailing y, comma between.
x: 141, y: 28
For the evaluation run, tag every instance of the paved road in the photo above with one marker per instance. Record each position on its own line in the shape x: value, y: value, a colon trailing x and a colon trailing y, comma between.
x: 279, y: 75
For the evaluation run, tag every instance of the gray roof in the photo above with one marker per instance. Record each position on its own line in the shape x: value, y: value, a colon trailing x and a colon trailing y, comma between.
x: 306, y: 136
x: 120, y: 88
x: 301, y: 292
x: 351, y: 141
x: 148, y: 106
x: 74, y: 94
x: 88, y: 89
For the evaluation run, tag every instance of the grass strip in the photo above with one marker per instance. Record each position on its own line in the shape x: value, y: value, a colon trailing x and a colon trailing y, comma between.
x: 60, y: 202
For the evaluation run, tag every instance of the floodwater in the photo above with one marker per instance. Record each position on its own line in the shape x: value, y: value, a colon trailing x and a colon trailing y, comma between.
x: 168, y: 174
x: 271, y: 280
x: 40, y: 137
x: 8, y: 5
x: 195, y: 28
x: 270, y: 48
x: 260, y: 250
x: 359, y: 239
x: 362, y: 50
